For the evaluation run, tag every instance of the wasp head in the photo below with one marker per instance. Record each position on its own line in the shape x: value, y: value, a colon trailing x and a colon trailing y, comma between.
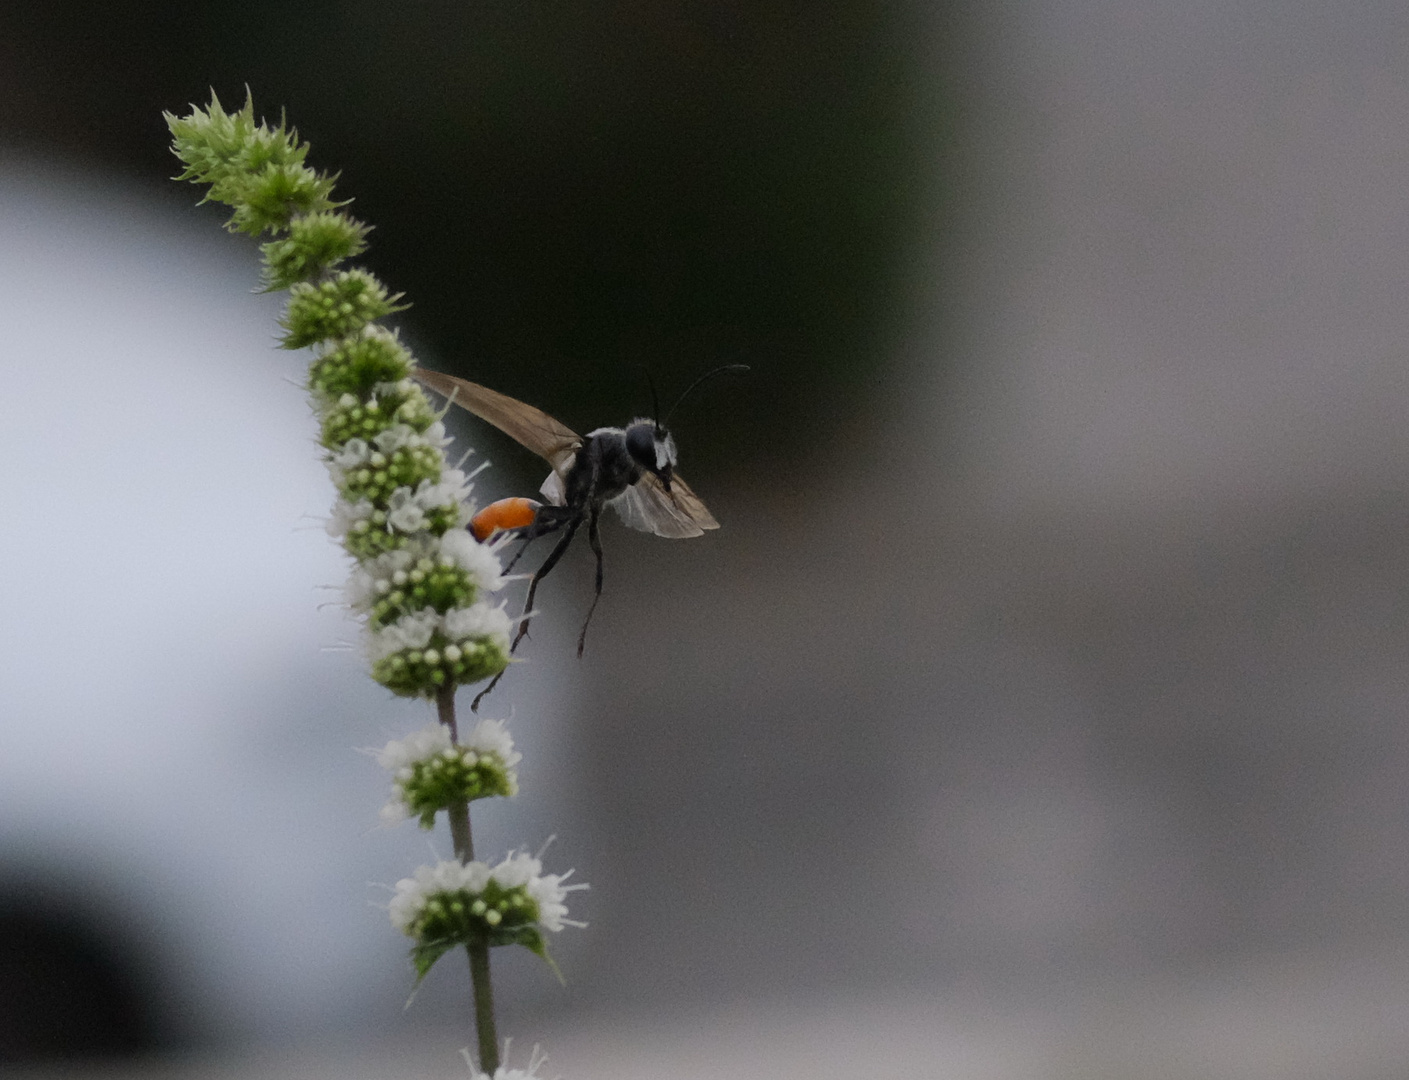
x: 651, y: 447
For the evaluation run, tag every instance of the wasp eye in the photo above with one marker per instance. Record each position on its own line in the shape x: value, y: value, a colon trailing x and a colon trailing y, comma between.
x: 641, y: 445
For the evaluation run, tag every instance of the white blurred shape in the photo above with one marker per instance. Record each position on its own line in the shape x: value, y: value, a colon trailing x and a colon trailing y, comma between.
x: 157, y: 467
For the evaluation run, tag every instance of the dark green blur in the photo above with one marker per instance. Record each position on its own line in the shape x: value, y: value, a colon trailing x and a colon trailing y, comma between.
x: 568, y: 193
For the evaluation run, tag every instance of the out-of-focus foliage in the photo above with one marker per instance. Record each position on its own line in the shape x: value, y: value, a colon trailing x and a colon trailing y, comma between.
x: 600, y: 187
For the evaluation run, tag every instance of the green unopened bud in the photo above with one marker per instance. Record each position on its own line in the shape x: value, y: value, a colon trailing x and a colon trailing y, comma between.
x: 406, y: 467
x: 421, y: 672
x: 368, y: 539
x: 268, y: 200
x: 335, y: 308
x: 242, y: 160
x: 316, y: 242
x: 358, y: 364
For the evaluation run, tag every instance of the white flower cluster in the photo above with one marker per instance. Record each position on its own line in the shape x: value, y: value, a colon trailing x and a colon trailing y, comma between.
x: 408, y: 512
x: 419, y: 746
x: 359, y: 453
x: 421, y: 579
x: 536, y: 1061
x: 547, y: 890
x: 379, y: 576
x: 428, y: 756
x: 464, y: 882
x: 459, y: 625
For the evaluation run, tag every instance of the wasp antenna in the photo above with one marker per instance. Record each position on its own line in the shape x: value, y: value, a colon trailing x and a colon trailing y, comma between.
x: 723, y: 369
x: 655, y: 398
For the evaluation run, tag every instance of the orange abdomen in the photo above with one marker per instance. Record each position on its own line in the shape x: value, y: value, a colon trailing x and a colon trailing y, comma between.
x: 504, y: 514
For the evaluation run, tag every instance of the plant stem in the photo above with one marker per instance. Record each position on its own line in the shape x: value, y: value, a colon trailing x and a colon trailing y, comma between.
x: 459, y: 813
x: 464, y: 843
x: 445, y: 708
x: 484, y: 1007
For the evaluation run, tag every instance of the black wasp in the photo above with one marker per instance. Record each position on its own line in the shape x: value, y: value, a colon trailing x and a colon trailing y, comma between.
x: 631, y: 469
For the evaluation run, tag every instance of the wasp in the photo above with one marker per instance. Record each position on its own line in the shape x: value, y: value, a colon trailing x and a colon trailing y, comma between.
x: 631, y: 469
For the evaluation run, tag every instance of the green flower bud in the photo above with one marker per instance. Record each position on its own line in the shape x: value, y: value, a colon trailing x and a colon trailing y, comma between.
x: 220, y: 148
x: 443, y: 588
x: 335, y: 308
x: 369, y: 542
x: 350, y: 417
x: 406, y: 467
x: 413, y: 672
x: 316, y: 242
x: 267, y: 200
x: 358, y: 364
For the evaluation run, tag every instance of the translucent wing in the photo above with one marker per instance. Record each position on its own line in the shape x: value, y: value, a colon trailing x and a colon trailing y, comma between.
x: 675, y: 514
x: 554, y: 442
x: 552, y: 489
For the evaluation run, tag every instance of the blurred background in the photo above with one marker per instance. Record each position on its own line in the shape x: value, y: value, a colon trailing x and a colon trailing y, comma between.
x: 1038, y: 711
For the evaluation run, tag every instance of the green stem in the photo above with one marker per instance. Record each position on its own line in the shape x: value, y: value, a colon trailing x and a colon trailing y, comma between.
x: 484, y: 1007
x: 463, y: 840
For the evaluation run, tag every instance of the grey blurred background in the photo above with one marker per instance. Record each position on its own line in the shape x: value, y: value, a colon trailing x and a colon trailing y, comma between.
x: 1038, y: 710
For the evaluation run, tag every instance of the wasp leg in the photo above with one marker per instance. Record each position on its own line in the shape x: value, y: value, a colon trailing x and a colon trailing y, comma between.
x: 594, y: 538
x: 549, y: 520
x: 474, y: 705
x: 542, y: 572
x: 551, y: 524
x: 519, y: 554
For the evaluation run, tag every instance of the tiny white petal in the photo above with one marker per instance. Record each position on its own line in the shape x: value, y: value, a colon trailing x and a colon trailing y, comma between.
x: 518, y: 869
x: 353, y: 453
x: 392, y: 439
x: 476, y: 621
x: 361, y: 590
x: 345, y: 515
x: 404, y: 512
x: 476, y: 559
x: 398, y: 754
x: 412, y: 631
x: 435, y: 436
x: 491, y: 737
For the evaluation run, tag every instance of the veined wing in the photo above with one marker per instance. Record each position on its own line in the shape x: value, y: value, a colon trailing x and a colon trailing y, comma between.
x: 675, y: 514
x: 533, y: 428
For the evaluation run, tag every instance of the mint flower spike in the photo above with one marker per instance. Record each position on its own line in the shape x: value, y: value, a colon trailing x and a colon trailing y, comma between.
x: 422, y: 582
x: 455, y: 903
x: 401, y: 508
x: 431, y: 773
